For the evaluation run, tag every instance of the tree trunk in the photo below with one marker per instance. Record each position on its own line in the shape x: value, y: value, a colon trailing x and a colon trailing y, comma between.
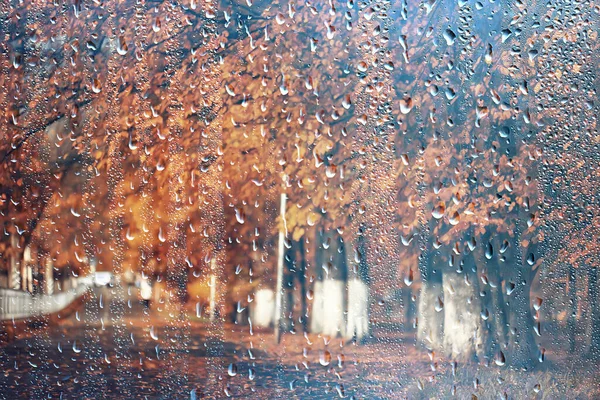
x: 357, y: 292
x: 519, y: 347
x: 288, y: 305
x: 328, y: 308
x: 302, y: 282
x: 594, y: 350
x: 493, y: 305
x: 27, y: 270
x: 430, y: 319
x: 572, y: 298
x: 521, y: 342
x: 358, y: 309
x: 430, y: 325
x: 262, y: 309
x: 212, y: 304
x: 49, y: 276
x: 289, y: 289
x: 329, y: 304
x: 14, y: 273
x: 409, y: 309
x: 316, y: 314
x: 462, y: 327
x: 279, y: 281
x: 430, y: 322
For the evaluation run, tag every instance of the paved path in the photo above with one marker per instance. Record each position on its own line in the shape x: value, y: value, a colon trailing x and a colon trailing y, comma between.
x: 112, y: 348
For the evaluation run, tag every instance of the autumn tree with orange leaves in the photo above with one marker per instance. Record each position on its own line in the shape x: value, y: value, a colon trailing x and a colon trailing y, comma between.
x: 413, y: 143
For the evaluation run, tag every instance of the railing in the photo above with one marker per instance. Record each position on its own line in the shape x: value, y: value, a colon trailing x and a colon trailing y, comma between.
x: 15, y: 304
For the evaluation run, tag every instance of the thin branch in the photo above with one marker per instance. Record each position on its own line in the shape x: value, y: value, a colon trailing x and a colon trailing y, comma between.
x: 34, y: 131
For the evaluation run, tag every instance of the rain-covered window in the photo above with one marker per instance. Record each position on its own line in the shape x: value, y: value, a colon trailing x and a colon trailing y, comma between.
x: 263, y: 199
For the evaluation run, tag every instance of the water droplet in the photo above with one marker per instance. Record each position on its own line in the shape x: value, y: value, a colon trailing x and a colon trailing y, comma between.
x: 408, y: 279
x: 449, y: 36
x: 232, y: 369
x: 439, y: 210
x: 499, y: 359
x: 156, y: 25
x: 240, y: 215
x: 96, y: 86
x: 325, y: 358
x: 439, y: 304
x: 406, y: 104
x: 454, y: 219
x: 280, y: 18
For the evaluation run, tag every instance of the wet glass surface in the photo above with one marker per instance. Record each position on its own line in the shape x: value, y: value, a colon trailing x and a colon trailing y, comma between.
x: 278, y: 199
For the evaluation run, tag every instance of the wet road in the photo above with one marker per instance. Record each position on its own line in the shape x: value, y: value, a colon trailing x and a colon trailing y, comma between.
x: 111, y: 347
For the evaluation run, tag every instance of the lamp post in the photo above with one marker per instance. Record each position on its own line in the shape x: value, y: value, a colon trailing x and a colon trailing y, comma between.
x: 280, y: 259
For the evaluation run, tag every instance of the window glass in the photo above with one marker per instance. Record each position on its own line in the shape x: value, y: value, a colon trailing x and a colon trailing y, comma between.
x: 317, y: 199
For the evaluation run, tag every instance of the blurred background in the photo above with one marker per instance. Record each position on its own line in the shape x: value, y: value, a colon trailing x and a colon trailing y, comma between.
x: 374, y: 199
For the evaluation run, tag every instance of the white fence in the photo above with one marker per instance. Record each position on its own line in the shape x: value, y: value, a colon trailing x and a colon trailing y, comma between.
x: 15, y: 304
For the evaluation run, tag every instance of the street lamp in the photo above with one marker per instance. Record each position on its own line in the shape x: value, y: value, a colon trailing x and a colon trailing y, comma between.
x: 280, y: 259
